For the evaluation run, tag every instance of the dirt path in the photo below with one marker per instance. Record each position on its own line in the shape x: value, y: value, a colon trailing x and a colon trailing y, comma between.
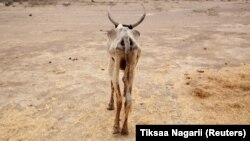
x: 54, y: 85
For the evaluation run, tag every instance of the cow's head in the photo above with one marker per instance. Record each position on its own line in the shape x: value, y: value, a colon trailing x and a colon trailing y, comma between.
x: 123, y: 31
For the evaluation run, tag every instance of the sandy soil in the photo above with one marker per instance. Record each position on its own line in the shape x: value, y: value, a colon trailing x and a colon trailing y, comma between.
x: 54, y: 85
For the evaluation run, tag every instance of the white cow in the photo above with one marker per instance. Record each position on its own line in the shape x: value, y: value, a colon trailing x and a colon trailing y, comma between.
x: 124, y: 52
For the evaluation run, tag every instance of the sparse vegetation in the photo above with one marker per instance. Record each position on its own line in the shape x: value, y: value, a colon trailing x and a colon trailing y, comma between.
x: 29, y: 2
x: 41, y: 2
x: 209, y: 12
x: 227, y: 82
x: 54, y: 84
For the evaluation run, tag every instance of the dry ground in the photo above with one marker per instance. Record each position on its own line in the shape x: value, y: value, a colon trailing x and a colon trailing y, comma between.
x: 54, y: 85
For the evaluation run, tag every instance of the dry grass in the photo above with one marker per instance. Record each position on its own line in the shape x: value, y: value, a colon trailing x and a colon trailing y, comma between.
x: 24, y: 125
x: 30, y: 2
x: 42, y: 2
x: 221, y: 96
x: 209, y: 12
x: 224, y: 91
x: 227, y: 81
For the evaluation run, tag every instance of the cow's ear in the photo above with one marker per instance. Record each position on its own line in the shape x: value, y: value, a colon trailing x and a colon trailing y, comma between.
x: 136, y: 34
x: 111, y: 34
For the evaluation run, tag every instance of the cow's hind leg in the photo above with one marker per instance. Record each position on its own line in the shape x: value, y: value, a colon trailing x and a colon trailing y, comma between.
x: 111, y: 102
x: 129, y: 76
x: 115, y: 80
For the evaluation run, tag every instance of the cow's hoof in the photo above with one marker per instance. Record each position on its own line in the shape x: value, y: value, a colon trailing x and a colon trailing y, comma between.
x: 111, y: 107
x: 124, y: 132
x: 116, y: 130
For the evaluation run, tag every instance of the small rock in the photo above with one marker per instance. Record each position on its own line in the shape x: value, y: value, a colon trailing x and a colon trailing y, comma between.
x: 188, y: 77
x: 187, y: 83
x: 102, y: 69
x: 200, y: 71
x: 8, y: 3
x: 69, y: 58
x: 59, y: 70
x: 66, y: 4
x: 74, y: 59
x: 204, y: 48
x: 141, y: 104
x: 30, y: 15
x: 50, y: 62
x: 226, y: 63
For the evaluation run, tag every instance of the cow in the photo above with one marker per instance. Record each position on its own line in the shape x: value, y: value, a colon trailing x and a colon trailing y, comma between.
x: 124, y: 52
